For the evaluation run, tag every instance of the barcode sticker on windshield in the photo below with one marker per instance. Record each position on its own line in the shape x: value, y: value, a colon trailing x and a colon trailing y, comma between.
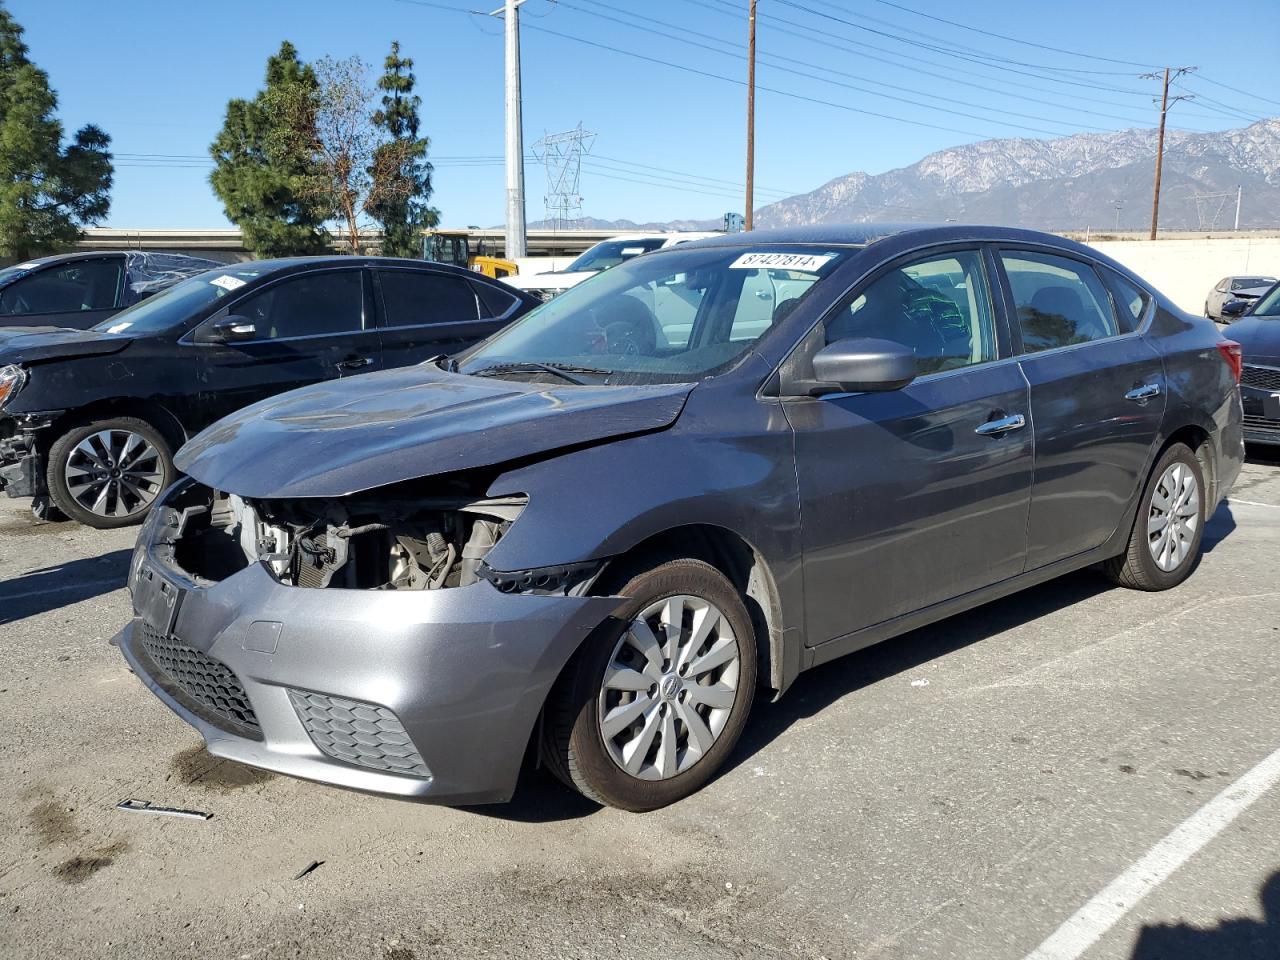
x: 227, y: 283
x: 810, y: 262
x: 27, y: 266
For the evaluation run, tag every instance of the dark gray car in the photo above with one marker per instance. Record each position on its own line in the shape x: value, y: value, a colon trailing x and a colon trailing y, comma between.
x: 610, y: 527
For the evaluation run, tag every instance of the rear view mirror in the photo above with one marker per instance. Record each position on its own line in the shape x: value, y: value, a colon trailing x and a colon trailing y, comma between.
x: 231, y: 328
x: 863, y: 364
x: 1234, y: 308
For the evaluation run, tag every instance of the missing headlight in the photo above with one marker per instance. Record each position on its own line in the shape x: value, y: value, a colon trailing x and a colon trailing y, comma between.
x: 362, y: 542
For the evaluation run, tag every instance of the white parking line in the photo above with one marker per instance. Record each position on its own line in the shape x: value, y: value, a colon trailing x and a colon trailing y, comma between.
x: 116, y: 584
x: 1100, y: 914
x: 1254, y: 503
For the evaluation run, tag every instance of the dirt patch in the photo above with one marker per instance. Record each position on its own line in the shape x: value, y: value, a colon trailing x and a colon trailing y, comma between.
x: 399, y: 953
x: 29, y: 527
x: 53, y: 823
x: 81, y: 867
x: 197, y: 767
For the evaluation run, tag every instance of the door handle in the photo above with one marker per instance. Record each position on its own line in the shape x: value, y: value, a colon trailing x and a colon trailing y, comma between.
x: 355, y: 363
x: 1144, y: 392
x: 1001, y: 425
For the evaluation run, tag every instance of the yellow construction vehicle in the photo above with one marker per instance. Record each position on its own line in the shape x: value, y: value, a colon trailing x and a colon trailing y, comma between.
x: 454, y: 247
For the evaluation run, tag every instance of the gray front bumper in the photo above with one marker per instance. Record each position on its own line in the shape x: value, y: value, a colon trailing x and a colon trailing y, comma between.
x: 465, y: 670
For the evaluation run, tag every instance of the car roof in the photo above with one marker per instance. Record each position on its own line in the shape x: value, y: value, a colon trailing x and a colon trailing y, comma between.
x: 863, y: 234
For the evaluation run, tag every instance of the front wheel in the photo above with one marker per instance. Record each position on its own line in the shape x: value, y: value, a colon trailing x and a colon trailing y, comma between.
x: 1166, y: 536
x: 648, y: 711
x: 108, y: 473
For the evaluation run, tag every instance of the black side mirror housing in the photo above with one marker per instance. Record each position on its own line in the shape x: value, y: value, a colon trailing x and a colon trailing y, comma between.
x: 859, y: 364
x: 229, y: 329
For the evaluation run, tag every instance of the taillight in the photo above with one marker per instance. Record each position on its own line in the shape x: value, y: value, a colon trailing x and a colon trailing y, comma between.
x: 1234, y: 356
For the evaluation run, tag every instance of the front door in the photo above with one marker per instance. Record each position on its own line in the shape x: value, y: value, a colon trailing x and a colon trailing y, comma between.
x: 915, y: 496
x: 1097, y: 399
x: 306, y: 328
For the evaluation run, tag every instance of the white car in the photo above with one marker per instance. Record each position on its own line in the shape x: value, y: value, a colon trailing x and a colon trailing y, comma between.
x: 605, y: 254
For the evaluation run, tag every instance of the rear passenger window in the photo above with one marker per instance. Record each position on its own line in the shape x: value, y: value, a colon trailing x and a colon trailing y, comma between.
x: 414, y: 298
x: 70, y: 288
x: 1131, y: 301
x: 940, y: 307
x: 493, y: 302
x: 1060, y: 302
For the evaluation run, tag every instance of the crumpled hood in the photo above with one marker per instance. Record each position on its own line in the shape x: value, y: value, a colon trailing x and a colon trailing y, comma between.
x: 1259, y: 339
x: 29, y: 344
x: 355, y: 434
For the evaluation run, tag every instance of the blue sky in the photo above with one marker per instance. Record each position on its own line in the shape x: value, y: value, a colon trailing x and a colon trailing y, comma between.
x: 157, y: 75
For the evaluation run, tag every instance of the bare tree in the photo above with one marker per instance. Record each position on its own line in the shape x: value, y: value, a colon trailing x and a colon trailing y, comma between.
x: 356, y: 161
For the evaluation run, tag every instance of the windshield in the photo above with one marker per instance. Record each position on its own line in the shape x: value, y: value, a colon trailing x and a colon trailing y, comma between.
x: 613, y: 252
x: 1247, y: 283
x: 670, y: 318
x: 179, y: 303
x: 1269, y: 303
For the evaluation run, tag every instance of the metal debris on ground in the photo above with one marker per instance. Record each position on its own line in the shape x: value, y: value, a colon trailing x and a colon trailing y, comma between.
x: 145, y: 806
x: 309, y: 868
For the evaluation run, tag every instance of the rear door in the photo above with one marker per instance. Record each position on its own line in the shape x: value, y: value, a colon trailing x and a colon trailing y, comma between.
x: 426, y: 313
x: 308, y: 327
x: 1097, y: 398
x: 77, y: 294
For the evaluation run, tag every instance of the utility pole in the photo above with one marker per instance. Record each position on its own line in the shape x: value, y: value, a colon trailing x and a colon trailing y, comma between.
x: 751, y: 113
x: 515, y: 238
x: 1239, y: 196
x: 1165, y: 104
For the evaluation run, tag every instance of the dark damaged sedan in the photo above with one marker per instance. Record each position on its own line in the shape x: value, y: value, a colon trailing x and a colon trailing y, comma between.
x: 609, y: 528
x: 1259, y: 337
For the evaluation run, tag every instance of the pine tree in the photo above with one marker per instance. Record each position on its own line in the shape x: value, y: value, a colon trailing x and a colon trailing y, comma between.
x: 401, y: 171
x: 263, y: 173
x: 48, y: 193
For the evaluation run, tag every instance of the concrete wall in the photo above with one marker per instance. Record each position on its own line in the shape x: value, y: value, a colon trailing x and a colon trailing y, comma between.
x: 1186, y: 270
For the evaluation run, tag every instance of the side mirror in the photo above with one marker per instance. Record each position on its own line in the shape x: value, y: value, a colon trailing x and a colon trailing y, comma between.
x: 863, y: 364
x: 1235, y: 308
x: 231, y: 328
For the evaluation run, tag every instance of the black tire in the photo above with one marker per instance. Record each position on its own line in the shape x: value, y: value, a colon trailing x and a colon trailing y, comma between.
x: 1136, y: 568
x: 129, y: 512
x: 573, y: 745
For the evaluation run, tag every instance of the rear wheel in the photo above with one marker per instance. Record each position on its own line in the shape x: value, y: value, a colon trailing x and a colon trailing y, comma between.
x: 1167, y: 532
x: 108, y: 473
x: 648, y: 710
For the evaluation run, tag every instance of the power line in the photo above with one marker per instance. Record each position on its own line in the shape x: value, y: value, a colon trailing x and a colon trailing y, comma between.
x: 1002, y: 36
x: 1227, y: 86
x: 829, y: 70
x: 988, y: 60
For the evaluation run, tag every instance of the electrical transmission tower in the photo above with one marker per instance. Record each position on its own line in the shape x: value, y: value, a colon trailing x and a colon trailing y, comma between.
x: 1209, y: 206
x: 561, y: 156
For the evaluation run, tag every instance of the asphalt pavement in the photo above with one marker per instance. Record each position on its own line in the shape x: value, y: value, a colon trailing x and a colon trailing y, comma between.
x: 1078, y: 770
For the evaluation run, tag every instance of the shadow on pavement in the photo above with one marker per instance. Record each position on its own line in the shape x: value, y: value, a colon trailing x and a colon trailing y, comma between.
x: 1220, y: 526
x: 52, y: 587
x: 1241, y: 938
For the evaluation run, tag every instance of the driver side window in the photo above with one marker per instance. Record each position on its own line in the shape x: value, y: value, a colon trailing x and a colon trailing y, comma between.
x: 939, y: 306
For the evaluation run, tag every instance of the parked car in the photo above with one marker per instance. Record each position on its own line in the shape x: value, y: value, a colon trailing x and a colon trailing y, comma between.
x: 606, y: 254
x: 602, y: 529
x: 1245, y: 290
x: 89, y: 419
x: 1258, y: 333
x: 79, y: 290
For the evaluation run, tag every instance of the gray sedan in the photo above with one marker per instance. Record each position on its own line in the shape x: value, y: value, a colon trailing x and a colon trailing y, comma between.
x: 1241, y: 291
x: 606, y: 531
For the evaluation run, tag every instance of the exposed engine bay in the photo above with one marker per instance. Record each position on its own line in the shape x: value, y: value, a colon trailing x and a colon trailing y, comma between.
x: 382, y: 543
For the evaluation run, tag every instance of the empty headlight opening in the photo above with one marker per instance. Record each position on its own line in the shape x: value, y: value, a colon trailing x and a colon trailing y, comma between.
x: 372, y: 541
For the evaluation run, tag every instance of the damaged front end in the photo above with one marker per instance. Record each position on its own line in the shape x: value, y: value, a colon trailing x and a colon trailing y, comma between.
x: 405, y: 539
x: 359, y: 640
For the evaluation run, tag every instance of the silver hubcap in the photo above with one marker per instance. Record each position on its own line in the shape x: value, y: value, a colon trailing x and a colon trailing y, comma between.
x: 114, y: 473
x: 1174, y: 517
x: 669, y: 687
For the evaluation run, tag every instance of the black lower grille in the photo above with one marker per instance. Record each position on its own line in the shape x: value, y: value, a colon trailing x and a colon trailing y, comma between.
x: 210, y: 687
x: 1264, y: 378
x: 1252, y: 422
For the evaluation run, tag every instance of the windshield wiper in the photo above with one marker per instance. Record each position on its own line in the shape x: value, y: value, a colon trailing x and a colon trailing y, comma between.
x: 564, y: 371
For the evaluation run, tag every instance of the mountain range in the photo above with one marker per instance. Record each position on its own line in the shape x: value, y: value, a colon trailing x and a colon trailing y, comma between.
x: 1067, y: 183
